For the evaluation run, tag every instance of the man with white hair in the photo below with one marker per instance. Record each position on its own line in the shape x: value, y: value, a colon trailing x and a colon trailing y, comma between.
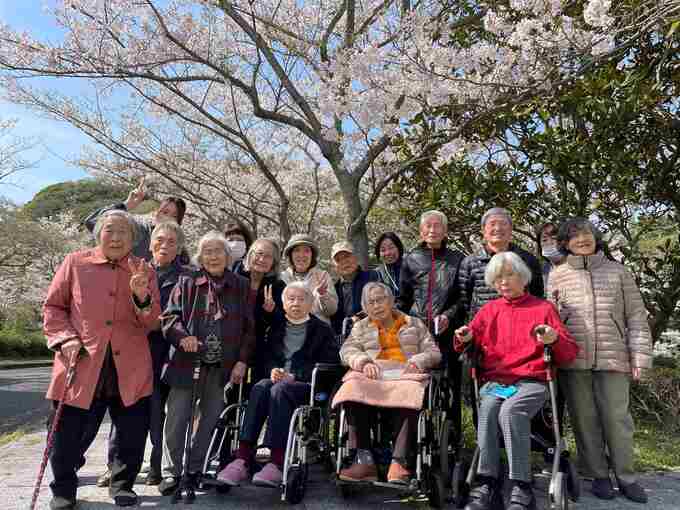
x: 496, y: 227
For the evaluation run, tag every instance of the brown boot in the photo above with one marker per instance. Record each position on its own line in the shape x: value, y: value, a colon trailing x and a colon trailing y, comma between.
x: 359, y: 473
x: 398, y: 474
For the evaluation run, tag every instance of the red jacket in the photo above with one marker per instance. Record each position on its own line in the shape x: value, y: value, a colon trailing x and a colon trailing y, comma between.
x: 503, y: 330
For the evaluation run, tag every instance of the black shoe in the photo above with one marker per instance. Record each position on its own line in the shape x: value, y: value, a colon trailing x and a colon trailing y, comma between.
x: 521, y: 497
x: 126, y: 498
x: 105, y: 479
x: 485, y: 495
x: 602, y: 488
x: 168, y: 485
x: 59, y: 503
x: 153, y: 477
x: 633, y: 491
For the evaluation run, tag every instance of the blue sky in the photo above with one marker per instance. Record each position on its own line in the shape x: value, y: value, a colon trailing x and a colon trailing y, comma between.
x: 57, y: 142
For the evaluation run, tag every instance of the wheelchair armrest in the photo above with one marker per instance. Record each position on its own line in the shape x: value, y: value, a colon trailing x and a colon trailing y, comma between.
x: 329, y: 367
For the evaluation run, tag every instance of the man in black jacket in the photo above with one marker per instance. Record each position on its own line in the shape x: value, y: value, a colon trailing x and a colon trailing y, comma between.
x: 429, y: 290
x: 497, y: 233
x: 350, y: 284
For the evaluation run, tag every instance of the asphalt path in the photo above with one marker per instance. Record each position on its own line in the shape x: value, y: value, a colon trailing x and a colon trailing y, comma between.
x: 22, y: 398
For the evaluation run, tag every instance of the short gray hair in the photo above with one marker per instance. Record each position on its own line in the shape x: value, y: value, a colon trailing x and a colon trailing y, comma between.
x: 495, y: 266
x: 170, y: 226
x: 434, y: 214
x: 375, y: 285
x: 309, y: 297
x: 276, y: 252
x: 213, y: 235
x: 115, y: 213
x: 496, y: 211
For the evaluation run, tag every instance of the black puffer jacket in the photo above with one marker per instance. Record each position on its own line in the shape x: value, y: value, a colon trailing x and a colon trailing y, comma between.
x: 474, y: 292
x: 414, y: 280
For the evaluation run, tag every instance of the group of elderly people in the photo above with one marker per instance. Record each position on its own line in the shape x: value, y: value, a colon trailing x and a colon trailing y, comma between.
x: 134, y: 329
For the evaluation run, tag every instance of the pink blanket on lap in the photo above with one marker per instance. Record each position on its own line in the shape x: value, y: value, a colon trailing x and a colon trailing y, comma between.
x: 406, y: 392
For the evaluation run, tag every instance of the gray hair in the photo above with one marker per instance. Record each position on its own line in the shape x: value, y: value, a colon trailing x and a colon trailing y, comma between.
x: 309, y: 297
x: 496, y: 211
x: 115, y: 213
x: 495, y: 266
x: 375, y: 285
x: 213, y: 235
x: 276, y: 252
x: 434, y: 214
x: 170, y: 226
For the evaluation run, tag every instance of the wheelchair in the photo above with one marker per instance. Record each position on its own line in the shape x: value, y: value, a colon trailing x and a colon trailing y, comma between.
x: 429, y: 483
x: 546, y: 438
x: 310, y: 427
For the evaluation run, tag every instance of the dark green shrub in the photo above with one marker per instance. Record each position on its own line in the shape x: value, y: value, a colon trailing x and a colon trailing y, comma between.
x: 656, y: 398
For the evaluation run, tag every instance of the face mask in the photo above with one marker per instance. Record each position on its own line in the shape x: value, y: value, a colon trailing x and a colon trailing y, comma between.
x: 551, y: 252
x: 237, y: 249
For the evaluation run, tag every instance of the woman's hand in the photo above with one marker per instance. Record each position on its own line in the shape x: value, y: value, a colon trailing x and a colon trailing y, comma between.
x: 136, y: 196
x: 463, y: 334
x: 189, y: 344
x: 545, y: 334
x: 279, y: 375
x: 372, y: 371
x: 269, y: 304
x: 70, y: 348
x: 238, y: 372
x: 139, y: 281
x: 321, y: 285
x: 637, y: 373
x: 412, y: 368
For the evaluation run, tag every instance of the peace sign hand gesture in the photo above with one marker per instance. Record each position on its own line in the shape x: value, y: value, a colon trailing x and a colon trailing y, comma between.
x: 320, y: 285
x: 139, y: 281
x: 136, y: 196
x: 269, y: 304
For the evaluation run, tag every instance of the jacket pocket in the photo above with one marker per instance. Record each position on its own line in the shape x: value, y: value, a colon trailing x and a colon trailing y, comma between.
x: 618, y: 328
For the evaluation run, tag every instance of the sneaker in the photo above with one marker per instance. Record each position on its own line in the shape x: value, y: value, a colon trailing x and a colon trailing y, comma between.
x: 602, y: 488
x: 168, y: 485
x: 398, y: 474
x: 59, y: 503
x: 234, y: 473
x: 521, y: 497
x: 263, y: 454
x: 153, y: 477
x: 269, y: 476
x: 633, y: 491
x: 126, y: 498
x: 104, y: 479
x: 485, y: 495
x: 359, y: 473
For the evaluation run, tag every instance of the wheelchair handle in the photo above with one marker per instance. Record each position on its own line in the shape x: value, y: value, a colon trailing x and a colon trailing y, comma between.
x: 328, y: 367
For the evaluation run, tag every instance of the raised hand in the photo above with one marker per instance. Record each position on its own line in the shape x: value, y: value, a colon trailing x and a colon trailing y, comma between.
x: 321, y: 285
x: 139, y: 281
x: 136, y: 196
x: 269, y: 304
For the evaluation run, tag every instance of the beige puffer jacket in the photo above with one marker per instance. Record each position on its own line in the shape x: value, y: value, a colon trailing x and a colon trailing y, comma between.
x: 601, y: 306
x: 363, y: 345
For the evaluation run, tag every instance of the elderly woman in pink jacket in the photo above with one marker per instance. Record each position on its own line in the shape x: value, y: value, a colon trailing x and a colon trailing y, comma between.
x: 100, y: 307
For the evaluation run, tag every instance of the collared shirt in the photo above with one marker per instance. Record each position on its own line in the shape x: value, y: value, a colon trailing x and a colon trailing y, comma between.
x: 90, y: 299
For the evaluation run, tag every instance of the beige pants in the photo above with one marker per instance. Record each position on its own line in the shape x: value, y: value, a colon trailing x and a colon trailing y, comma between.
x: 598, y: 403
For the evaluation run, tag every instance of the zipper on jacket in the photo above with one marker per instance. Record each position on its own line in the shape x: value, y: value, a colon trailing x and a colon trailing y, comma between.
x: 618, y: 327
x: 592, y: 293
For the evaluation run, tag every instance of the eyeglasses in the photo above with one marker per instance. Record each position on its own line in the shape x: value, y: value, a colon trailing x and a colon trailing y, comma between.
x: 379, y: 300
x: 263, y: 255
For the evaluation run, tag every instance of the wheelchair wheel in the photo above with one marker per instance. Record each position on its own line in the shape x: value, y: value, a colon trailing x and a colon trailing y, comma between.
x: 295, y: 485
x: 557, y: 494
x: 573, y: 478
x: 437, y: 489
x: 459, y: 486
x: 444, y: 454
x: 222, y: 488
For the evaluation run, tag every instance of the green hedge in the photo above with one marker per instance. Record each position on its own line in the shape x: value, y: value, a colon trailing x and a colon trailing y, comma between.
x: 657, y: 397
x: 22, y: 344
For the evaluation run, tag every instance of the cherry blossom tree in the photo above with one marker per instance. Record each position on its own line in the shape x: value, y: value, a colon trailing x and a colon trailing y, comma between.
x: 244, y: 79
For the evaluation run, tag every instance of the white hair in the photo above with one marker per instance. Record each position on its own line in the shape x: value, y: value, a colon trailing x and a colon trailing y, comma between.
x: 375, y: 285
x: 497, y: 211
x: 170, y: 226
x: 213, y: 235
x: 115, y: 213
x: 495, y: 266
x: 309, y: 297
x: 434, y: 214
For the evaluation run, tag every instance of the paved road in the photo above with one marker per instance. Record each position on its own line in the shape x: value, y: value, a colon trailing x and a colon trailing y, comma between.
x: 22, y: 398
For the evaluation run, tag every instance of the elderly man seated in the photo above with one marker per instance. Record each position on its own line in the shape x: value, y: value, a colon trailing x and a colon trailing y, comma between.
x: 293, y: 349
x: 389, y: 354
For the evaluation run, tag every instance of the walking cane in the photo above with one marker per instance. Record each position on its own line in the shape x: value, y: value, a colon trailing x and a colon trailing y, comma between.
x: 70, y: 376
x: 185, y: 480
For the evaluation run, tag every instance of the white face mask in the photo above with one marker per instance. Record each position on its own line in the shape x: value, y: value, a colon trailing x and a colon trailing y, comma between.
x: 237, y: 249
x: 552, y: 253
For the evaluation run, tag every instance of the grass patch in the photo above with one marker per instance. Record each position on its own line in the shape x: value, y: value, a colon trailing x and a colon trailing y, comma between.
x: 656, y: 449
x: 11, y: 436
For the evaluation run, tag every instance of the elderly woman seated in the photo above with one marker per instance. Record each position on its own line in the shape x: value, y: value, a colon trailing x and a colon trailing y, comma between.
x: 510, y: 333
x: 386, y: 340
x: 293, y: 349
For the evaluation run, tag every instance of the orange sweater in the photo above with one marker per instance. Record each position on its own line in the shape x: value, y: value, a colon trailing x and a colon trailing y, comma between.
x: 390, y: 348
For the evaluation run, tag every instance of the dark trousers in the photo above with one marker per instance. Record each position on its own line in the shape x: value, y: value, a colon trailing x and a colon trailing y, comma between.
x: 276, y: 402
x: 454, y: 372
x: 404, y: 423
x: 158, y: 401
x: 131, y: 422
